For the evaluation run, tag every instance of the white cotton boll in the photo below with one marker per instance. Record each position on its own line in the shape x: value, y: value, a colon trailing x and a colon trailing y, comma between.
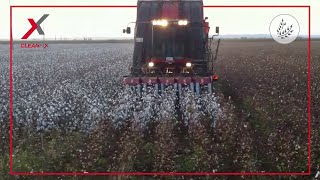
x: 75, y: 86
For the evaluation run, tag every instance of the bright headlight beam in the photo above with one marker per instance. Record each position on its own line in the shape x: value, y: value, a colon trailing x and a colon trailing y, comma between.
x: 183, y: 22
x: 188, y: 64
x: 150, y: 64
x: 161, y: 22
x: 154, y: 22
x: 164, y: 22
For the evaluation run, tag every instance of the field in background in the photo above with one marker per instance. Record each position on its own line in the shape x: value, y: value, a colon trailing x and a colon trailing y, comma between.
x: 262, y: 94
x: 268, y: 84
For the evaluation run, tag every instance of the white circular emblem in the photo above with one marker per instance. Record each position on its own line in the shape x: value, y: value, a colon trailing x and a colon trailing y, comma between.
x: 284, y: 28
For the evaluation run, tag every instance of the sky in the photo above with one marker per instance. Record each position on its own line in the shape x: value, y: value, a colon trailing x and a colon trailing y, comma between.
x: 78, y: 23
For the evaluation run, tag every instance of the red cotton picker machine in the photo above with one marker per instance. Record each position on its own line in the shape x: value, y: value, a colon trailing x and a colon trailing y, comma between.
x: 172, y: 47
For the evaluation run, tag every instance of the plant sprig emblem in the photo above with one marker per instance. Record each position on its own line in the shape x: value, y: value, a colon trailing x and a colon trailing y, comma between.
x: 283, y: 31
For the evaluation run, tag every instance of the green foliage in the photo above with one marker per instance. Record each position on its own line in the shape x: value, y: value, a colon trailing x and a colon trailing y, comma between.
x: 4, y: 166
x: 26, y: 161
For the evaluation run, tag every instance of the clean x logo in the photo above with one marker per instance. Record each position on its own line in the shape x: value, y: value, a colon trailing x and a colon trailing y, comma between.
x: 35, y: 26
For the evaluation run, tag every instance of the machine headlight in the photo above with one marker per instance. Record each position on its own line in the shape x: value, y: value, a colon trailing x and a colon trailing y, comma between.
x: 150, y: 64
x: 155, y: 22
x: 161, y: 22
x: 188, y: 64
x: 164, y: 22
x: 183, y: 22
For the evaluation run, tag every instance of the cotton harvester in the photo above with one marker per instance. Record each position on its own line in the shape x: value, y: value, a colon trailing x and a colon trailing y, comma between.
x: 172, y: 47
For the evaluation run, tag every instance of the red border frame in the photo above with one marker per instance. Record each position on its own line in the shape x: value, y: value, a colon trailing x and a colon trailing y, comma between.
x: 167, y: 173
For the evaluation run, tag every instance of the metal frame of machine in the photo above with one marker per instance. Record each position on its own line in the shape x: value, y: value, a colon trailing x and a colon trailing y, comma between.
x: 193, y: 70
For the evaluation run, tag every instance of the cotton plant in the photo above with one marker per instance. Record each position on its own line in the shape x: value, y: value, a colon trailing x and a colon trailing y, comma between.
x: 74, y: 88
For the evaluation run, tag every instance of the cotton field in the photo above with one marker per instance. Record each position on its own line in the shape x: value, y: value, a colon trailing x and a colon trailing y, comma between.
x: 71, y: 112
x: 73, y: 87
